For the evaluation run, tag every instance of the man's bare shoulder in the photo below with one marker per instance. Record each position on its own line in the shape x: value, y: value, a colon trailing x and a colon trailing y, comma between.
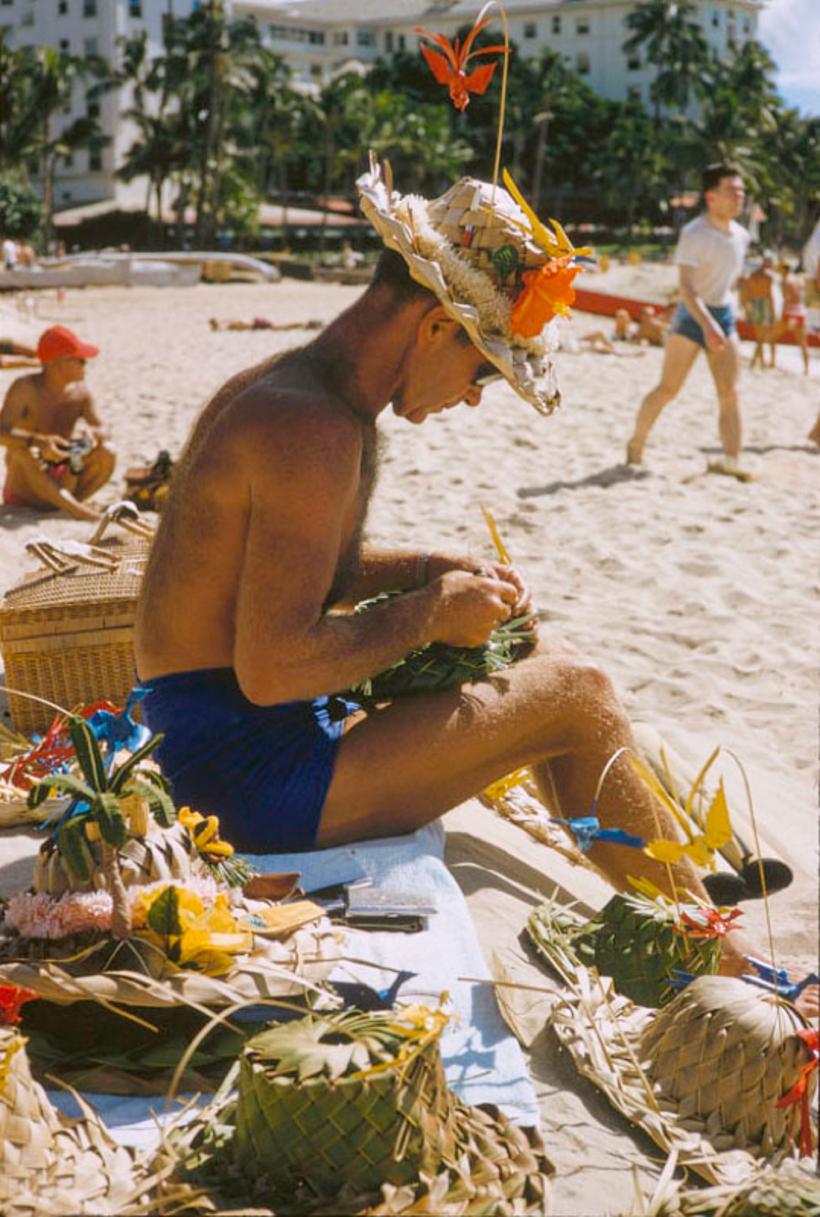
x: 298, y: 428
x: 23, y: 389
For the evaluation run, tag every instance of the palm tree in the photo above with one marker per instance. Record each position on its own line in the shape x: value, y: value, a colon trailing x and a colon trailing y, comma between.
x: 673, y: 41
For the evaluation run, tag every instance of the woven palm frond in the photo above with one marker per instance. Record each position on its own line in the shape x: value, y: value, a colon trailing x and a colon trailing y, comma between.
x: 724, y: 1053
x: 786, y: 1191
x: 637, y: 941
x: 468, y: 1162
x: 158, y: 854
x: 606, y: 1034
x: 273, y: 969
x: 49, y: 1165
x: 518, y: 799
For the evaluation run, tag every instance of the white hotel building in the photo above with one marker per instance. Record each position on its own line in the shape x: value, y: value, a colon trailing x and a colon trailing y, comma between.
x: 319, y: 38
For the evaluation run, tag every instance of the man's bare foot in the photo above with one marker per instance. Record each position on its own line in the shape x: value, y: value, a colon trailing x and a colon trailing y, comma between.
x: 729, y: 468
x: 634, y: 453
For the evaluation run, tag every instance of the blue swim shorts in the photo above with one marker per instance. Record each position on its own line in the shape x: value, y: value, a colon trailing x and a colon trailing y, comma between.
x: 684, y: 323
x: 264, y: 770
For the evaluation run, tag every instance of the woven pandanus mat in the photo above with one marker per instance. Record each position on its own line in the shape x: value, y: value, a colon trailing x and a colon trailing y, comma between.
x: 791, y: 1189
x: 608, y: 1037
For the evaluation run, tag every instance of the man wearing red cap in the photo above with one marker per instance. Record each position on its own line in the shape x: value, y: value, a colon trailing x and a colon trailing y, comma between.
x: 47, y: 464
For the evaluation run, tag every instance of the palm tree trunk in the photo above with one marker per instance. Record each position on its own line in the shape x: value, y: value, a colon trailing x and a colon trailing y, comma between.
x: 121, y: 911
x: 48, y: 198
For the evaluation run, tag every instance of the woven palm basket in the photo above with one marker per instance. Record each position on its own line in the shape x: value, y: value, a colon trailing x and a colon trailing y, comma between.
x: 605, y: 1034
x: 790, y: 1190
x: 66, y: 632
x: 383, y: 1136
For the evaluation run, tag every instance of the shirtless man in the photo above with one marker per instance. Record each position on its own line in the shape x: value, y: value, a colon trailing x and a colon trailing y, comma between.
x: 757, y: 298
x: 263, y: 535
x: 48, y: 465
x: 710, y: 256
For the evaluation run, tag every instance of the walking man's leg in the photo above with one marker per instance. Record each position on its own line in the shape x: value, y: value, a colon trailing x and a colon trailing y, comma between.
x: 679, y: 355
x: 725, y: 368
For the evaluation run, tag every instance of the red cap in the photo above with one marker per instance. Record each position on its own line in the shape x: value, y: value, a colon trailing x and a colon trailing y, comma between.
x: 62, y: 343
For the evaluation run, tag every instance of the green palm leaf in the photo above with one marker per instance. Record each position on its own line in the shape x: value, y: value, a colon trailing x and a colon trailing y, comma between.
x: 158, y: 799
x: 122, y: 772
x: 106, y: 811
x: 88, y: 752
x: 71, y: 840
x: 65, y: 782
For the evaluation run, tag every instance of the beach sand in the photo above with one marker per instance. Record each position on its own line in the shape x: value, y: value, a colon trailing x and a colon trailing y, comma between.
x: 695, y: 592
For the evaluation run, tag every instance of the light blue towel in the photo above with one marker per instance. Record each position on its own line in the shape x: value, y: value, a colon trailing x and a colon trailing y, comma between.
x: 483, y: 1062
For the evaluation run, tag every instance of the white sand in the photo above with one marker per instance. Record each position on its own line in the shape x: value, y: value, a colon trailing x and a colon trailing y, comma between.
x: 696, y: 592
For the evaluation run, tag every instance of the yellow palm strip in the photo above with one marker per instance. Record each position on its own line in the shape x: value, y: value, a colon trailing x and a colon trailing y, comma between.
x: 500, y: 547
x: 555, y: 244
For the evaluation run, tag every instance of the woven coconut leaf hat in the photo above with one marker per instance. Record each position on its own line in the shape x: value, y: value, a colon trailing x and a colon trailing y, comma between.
x: 498, y: 270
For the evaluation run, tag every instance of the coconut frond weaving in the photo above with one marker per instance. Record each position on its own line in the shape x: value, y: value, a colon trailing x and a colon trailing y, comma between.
x: 608, y: 1035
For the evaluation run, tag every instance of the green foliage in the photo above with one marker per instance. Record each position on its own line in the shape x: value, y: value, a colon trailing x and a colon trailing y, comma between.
x: 21, y: 208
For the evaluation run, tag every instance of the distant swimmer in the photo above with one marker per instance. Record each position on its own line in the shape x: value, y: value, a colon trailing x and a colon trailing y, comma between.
x: 757, y: 298
x: 57, y: 454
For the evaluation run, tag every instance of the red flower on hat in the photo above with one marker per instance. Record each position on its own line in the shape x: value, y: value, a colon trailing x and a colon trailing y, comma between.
x: 547, y: 292
x: 12, y: 998
x: 449, y: 68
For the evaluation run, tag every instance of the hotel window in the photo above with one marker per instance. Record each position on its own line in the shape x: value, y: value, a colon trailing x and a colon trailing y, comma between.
x: 582, y: 25
x: 556, y: 25
x: 634, y: 63
x: 388, y: 42
x: 65, y: 45
x: 747, y: 26
x: 715, y: 18
x: 6, y: 4
x: 62, y: 8
x: 365, y: 38
x: 91, y: 46
x: 634, y: 92
x: 134, y: 8
x: 530, y: 30
x: 92, y: 107
x: 341, y: 38
x: 582, y: 63
x: 317, y: 37
x: 95, y: 160
x: 89, y: 8
x: 68, y: 161
x: 402, y: 42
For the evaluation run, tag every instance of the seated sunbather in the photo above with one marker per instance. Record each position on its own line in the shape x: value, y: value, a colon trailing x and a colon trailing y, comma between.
x: 16, y: 355
x: 262, y: 323
x: 279, y: 469
x: 50, y: 461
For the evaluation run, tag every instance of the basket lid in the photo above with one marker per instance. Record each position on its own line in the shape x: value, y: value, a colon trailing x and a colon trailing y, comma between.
x: 77, y: 583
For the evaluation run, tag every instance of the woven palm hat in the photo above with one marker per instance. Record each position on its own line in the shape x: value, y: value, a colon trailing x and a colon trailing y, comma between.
x: 469, y: 248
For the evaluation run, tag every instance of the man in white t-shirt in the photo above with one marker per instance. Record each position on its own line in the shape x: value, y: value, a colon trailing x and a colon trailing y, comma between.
x: 710, y: 256
x: 9, y: 253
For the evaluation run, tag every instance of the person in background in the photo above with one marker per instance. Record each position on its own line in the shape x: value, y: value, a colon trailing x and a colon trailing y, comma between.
x: 9, y: 253
x: 50, y: 462
x: 794, y: 317
x: 757, y: 298
x: 710, y: 256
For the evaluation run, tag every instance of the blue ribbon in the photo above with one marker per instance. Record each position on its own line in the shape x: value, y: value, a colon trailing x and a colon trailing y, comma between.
x: 587, y: 830
x: 777, y: 980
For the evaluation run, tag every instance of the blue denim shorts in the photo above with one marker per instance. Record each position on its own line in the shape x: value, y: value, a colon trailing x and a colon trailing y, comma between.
x: 684, y: 323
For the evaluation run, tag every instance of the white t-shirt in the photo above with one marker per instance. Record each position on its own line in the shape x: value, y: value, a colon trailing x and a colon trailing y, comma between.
x: 716, y: 256
x: 9, y: 253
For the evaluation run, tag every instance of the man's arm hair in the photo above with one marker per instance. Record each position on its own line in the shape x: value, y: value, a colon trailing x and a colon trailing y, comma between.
x: 303, y: 491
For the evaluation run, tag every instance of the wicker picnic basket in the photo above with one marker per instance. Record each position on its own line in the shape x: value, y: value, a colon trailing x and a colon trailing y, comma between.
x: 67, y: 629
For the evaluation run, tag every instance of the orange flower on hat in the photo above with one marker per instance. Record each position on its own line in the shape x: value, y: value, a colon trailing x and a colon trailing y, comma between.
x: 547, y: 293
x: 449, y: 68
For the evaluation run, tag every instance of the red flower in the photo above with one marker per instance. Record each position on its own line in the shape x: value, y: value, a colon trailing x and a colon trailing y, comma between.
x: 799, y: 1093
x: 709, y: 923
x: 547, y: 292
x: 449, y: 68
x: 12, y: 998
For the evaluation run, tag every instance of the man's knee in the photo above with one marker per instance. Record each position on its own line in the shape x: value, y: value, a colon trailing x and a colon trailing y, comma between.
x: 584, y: 688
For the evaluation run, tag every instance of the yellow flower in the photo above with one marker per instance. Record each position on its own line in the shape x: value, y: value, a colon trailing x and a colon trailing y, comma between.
x: 189, y: 933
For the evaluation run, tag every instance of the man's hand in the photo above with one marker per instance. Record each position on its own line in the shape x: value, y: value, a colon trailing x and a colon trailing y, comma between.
x: 715, y: 338
x: 468, y: 607
x: 440, y: 564
x: 54, y: 448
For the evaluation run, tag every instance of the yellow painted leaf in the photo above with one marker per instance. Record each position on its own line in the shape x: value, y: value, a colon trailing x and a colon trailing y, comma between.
x: 718, y: 827
x: 665, y: 851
